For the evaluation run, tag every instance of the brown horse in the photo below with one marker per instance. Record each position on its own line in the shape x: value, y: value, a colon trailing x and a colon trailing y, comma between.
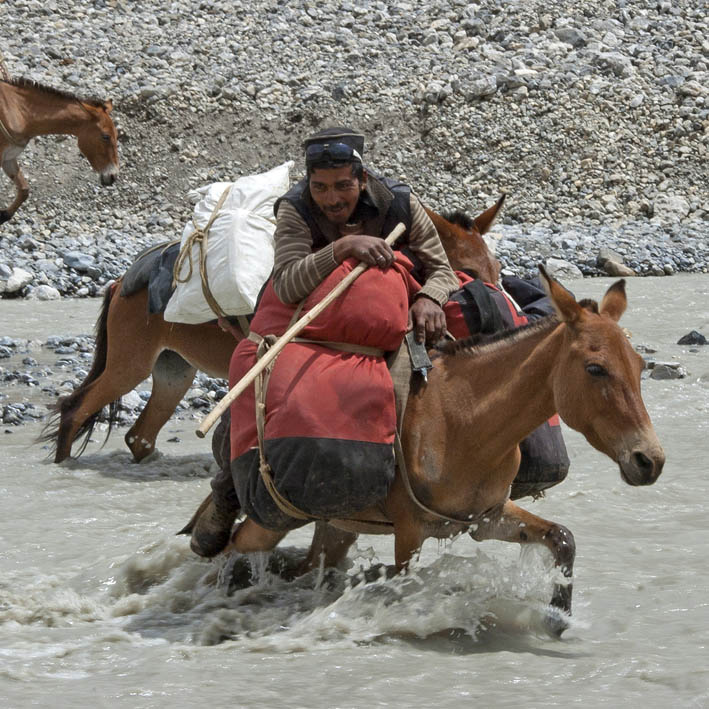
x: 131, y: 344
x: 460, y: 459
x: 28, y: 109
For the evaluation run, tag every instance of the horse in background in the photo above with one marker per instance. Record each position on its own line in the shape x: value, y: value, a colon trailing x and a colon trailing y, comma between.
x: 29, y: 109
x: 132, y: 344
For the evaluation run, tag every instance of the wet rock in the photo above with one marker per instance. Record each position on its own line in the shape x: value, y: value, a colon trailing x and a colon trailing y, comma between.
x: 692, y: 338
x: 647, y: 349
x: 131, y: 401
x: 12, y: 415
x: 667, y: 370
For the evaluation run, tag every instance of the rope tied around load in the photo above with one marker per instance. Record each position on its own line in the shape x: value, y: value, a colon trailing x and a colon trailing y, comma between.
x: 200, y: 239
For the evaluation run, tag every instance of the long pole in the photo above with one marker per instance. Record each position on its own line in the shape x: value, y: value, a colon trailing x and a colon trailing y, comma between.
x: 294, y: 329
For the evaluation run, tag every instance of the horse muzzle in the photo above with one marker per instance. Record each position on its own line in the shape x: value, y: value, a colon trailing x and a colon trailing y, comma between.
x: 642, y: 467
x: 109, y: 176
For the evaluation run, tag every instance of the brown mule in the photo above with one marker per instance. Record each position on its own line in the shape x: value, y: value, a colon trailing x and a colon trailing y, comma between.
x: 461, y: 459
x: 28, y: 109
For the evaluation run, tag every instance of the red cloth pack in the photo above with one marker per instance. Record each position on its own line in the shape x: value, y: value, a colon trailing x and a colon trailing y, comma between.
x: 330, y: 415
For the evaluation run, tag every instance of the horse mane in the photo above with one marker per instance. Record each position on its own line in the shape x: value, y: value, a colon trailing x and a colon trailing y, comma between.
x: 483, y: 342
x: 589, y: 304
x: 460, y: 218
x: 24, y: 83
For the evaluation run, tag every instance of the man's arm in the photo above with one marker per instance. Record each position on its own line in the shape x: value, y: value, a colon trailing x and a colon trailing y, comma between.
x: 297, y: 271
x: 440, y: 280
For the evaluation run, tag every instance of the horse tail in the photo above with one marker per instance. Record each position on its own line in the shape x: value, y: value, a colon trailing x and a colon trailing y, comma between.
x: 62, y: 412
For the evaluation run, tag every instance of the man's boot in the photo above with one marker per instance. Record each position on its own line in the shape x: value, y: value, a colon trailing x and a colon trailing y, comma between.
x: 211, y: 524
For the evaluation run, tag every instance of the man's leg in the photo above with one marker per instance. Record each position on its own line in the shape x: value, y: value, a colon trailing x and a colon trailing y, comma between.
x: 215, y: 518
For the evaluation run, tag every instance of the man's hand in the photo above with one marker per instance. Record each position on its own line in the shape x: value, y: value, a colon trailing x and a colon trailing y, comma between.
x: 427, y: 320
x: 370, y: 249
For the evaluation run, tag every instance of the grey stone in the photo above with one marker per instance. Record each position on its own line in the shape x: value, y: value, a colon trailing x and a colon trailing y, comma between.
x: 46, y: 292
x: 692, y: 338
x: 561, y: 269
x: 667, y: 371
x: 607, y: 254
x: 669, y: 208
x: 78, y: 261
x: 18, y: 280
x: 570, y: 35
x: 613, y: 268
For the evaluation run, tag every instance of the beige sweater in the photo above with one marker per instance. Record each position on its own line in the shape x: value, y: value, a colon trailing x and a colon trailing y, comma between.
x: 298, y: 271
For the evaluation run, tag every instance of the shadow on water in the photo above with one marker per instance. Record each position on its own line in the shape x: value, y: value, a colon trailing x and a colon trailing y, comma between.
x: 457, y: 641
x: 119, y: 465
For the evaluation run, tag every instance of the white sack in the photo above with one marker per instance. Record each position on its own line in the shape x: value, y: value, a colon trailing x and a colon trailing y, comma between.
x: 239, y: 246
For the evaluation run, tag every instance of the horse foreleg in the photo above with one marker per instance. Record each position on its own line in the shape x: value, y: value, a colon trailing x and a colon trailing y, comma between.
x: 513, y: 524
x: 22, y: 188
x: 408, y: 532
x: 329, y: 547
x: 249, y: 537
x: 172, y: 377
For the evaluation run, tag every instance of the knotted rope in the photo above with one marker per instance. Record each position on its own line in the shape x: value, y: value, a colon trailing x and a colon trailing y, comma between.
x: 200, y: 238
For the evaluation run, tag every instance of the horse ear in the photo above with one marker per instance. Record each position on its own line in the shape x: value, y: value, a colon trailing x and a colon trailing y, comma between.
x: 615, y: 301
x: 568, y: 310
x: 108, y: 105
x: 484, y: 221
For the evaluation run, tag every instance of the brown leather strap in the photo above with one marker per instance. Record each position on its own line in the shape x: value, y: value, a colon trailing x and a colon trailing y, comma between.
x: 401, y: 463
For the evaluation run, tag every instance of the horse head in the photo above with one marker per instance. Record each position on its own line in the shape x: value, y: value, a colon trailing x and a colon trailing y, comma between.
x: 596, y: 382
x: 462, y: 240
x: 98, y: 140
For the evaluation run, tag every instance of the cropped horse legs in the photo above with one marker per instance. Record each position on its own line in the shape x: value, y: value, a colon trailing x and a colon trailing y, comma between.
x: 329, y: 547
x: 513, y: 524
x: 22, y: 188
x: 88, y: 400
x: 250, y: 537
x: 172, y: 377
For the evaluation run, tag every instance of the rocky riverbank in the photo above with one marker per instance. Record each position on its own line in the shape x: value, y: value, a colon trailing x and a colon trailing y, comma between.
x: 35, y: 373
x: 592, y: 116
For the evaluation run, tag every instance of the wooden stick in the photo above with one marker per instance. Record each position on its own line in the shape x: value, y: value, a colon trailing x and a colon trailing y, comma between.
x: 294, y: 329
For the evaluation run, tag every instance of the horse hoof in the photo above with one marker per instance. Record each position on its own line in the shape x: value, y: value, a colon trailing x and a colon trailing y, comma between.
x: 555, y: 621
x: 4, y: 216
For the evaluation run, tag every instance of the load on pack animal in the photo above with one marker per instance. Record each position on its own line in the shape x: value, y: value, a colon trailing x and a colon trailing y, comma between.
x: 134, y: 341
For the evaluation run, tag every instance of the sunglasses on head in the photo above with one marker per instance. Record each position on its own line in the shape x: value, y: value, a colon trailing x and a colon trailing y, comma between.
x: 317, y: 152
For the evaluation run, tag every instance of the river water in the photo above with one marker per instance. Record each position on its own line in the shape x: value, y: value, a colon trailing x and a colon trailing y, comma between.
x: 101, y: 604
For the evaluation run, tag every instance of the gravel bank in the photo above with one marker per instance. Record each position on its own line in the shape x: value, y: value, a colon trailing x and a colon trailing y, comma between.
x: 592, y: 116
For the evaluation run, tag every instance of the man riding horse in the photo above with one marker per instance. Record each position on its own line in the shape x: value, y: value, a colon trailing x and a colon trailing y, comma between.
x: 338, y: 211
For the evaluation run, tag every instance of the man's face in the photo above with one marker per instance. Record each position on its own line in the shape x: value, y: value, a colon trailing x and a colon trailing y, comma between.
x: 336, y: 191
